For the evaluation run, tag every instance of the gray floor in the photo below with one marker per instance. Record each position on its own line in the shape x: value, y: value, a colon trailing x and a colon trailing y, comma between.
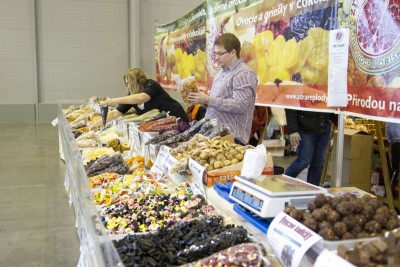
x: 37, y: 225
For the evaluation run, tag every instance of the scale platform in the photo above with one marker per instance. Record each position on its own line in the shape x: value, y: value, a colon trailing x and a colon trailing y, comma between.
x: 268, y: 195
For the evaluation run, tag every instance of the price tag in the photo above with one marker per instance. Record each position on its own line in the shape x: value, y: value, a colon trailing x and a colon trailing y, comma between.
x: 159, y: 163
x: 134, y: 138
x: 153, y: 152
x: 290, y: 239
x: 330, y: 259
x: 146, y: 152
x: 96, y: 107
x: 54, y: 122
x: 198, y: 172
x: 169, y: 163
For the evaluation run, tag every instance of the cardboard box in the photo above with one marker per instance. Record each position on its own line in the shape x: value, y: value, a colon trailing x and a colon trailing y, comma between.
x: 356, y: 145
x: 354, y: 172
x: 359, y: 192
x: 275, y: 146
x: 227, y: 174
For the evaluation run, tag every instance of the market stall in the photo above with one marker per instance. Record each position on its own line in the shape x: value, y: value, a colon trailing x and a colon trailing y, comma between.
x: 308, y: 55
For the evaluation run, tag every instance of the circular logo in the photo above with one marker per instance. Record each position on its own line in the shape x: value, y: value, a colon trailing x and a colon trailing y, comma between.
x: 375, y: 34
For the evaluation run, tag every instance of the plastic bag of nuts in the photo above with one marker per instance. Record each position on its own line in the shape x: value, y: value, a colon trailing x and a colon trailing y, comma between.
x: 186, y: 86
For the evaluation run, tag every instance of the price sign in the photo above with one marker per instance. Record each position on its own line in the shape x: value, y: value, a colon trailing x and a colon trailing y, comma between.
x: 169, y: 163
x: 290, y: 239
x: 159, y: 163
x: 54, y: 122
x: 134, y: 138
x: 198, y: 172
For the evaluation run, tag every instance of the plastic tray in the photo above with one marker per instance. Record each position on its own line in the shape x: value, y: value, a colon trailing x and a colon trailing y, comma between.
x: 350, y: 243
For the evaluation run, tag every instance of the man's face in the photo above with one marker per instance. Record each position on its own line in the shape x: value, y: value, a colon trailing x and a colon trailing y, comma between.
x: 223, y: 57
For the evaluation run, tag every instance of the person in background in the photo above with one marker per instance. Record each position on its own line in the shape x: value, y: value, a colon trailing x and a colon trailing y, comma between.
x: 310, y: 133
x: 233, y: 93
x: 144, y: 95
x: 393, y: 136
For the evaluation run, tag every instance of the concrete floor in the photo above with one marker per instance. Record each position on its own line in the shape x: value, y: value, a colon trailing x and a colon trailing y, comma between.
x: 37, y: 225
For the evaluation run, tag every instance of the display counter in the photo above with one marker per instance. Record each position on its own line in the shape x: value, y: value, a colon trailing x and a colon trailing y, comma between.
x: 97, y: 249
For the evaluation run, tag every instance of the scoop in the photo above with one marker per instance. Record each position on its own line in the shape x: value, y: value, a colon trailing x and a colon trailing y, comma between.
x: 104, y: 113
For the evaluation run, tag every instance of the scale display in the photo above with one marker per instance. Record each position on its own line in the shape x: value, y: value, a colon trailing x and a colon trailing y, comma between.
x: 248, y: 198
x: 268, y: 195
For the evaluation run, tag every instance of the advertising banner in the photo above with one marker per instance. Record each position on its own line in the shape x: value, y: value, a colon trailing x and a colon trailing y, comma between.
x: 286, y: 42
x: 181, y: 49
x: 374, y: 58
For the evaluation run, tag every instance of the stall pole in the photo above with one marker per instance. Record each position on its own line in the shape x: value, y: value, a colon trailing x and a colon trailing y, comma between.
x: 337, y: 181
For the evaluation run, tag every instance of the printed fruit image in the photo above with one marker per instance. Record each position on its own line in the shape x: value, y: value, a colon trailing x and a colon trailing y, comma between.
x: 279, y: 72
x: 274, y: 52
x: 162, y: 56
x: 291, y: 52
x: 355, y: 76
x: 247, y: 52
x: 376, y: 26
x: 309, y: 75
x: 306, y: 46
x: 200, y: 65
x: 262, y: 41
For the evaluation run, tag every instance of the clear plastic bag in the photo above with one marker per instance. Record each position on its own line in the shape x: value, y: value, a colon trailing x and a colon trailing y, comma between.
x: 186, y: 86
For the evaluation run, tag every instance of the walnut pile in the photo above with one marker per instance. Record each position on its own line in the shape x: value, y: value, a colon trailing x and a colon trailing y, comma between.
x: 346, y: 217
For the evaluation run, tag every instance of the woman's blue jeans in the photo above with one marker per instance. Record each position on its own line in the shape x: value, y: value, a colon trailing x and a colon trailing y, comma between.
x: 311, y: 153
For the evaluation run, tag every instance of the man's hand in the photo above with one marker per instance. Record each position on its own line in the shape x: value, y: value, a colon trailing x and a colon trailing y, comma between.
x: 295, y: 139
x: 199, y: 98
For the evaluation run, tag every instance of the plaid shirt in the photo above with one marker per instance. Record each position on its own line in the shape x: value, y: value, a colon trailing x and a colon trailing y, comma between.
x: 233, y: 95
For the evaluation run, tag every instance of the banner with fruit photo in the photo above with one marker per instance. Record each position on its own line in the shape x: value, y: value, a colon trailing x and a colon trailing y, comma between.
x: 181, y: 49
x: 285, y: 42
x: 374, y: 58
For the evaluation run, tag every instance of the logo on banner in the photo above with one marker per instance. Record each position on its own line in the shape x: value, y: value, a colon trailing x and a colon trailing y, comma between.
x: 374, y: 35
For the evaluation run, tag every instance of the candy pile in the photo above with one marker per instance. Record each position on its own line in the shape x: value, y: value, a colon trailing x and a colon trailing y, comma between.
x: 187, y: 242
x: 149, y: 213
x: 99, y: 180
x: 125, y: 187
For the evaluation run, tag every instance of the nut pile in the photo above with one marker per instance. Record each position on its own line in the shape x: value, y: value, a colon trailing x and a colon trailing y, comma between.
x: 210, y: 153
x: 346, y: 217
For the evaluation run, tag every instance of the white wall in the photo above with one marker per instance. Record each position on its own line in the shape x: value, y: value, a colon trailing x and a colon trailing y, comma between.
x: 53, y: 50
x: 17, y: 52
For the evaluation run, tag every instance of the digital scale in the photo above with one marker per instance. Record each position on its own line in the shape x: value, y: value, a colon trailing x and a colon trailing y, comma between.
x: 268, y: 195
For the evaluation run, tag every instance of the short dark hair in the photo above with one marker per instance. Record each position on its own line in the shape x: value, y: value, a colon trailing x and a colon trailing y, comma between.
x: 229, y: 41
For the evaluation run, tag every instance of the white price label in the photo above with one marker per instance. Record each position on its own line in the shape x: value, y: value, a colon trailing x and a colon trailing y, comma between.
x: 290, y: 239
x: 54, y: 122
x: 134, y: 138
x: 198, y: 172
x: 159, y: 163
x: 169, y: 163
